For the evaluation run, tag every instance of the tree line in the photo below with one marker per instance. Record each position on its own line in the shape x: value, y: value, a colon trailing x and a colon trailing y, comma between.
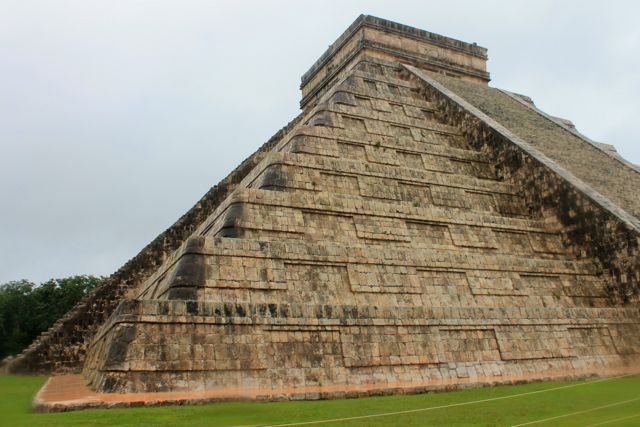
x: 27, y: 309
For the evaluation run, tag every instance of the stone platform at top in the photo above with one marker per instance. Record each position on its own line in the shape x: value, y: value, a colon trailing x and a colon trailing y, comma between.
x: 380, y: 38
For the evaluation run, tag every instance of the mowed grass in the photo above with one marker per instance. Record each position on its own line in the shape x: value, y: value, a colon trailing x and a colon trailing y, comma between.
x: 619, y: 396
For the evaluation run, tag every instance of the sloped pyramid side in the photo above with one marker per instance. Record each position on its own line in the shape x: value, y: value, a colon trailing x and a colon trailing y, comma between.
x: 62, y: 348
x: 373, y: 248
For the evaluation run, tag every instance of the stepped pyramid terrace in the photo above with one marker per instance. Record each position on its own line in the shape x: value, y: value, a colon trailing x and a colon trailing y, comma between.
x: 412, y: 229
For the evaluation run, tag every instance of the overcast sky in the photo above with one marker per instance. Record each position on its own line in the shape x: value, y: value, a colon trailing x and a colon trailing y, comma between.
x: 117, y: 116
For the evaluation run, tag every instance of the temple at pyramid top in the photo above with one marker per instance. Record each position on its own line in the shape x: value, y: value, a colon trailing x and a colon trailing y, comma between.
x: 412, y: 229
x: 380, y: 38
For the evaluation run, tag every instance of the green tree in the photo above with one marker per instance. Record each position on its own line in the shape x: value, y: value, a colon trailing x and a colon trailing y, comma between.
x: 16, y: 305
x: 26, y: 310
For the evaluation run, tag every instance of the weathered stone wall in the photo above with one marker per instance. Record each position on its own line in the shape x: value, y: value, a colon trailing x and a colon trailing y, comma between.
x: 284, y: 348
x: 593, y: 226
x: 427, y: 265
x: 374, y: 245
x: 63, y: 347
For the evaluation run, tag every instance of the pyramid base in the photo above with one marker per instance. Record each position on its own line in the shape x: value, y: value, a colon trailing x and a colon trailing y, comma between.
x: 71, y: 392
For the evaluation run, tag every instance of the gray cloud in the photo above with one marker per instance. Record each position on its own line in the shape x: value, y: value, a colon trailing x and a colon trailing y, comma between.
x: 115, y: 117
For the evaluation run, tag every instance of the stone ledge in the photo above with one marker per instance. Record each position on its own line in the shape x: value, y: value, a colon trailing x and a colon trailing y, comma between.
x: 70, y: 392
x: 167, y: 311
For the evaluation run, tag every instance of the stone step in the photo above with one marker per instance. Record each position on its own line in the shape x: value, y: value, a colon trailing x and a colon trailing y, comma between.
x: 382, y: 90
x: 297, y: 212
x: 329, y: 142
x: 316, y: 173
x: 211, y: 267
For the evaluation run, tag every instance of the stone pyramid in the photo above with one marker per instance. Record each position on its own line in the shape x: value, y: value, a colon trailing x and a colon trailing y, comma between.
x: 412, y: 228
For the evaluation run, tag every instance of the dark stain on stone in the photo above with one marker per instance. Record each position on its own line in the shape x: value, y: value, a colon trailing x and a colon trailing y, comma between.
x: 117, y: 352
x: 273, y: 178
x: 273, y: 310
x: 231, y: 223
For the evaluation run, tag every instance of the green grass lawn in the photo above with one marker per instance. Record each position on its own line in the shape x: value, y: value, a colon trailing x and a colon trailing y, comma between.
x: 16, y: 393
